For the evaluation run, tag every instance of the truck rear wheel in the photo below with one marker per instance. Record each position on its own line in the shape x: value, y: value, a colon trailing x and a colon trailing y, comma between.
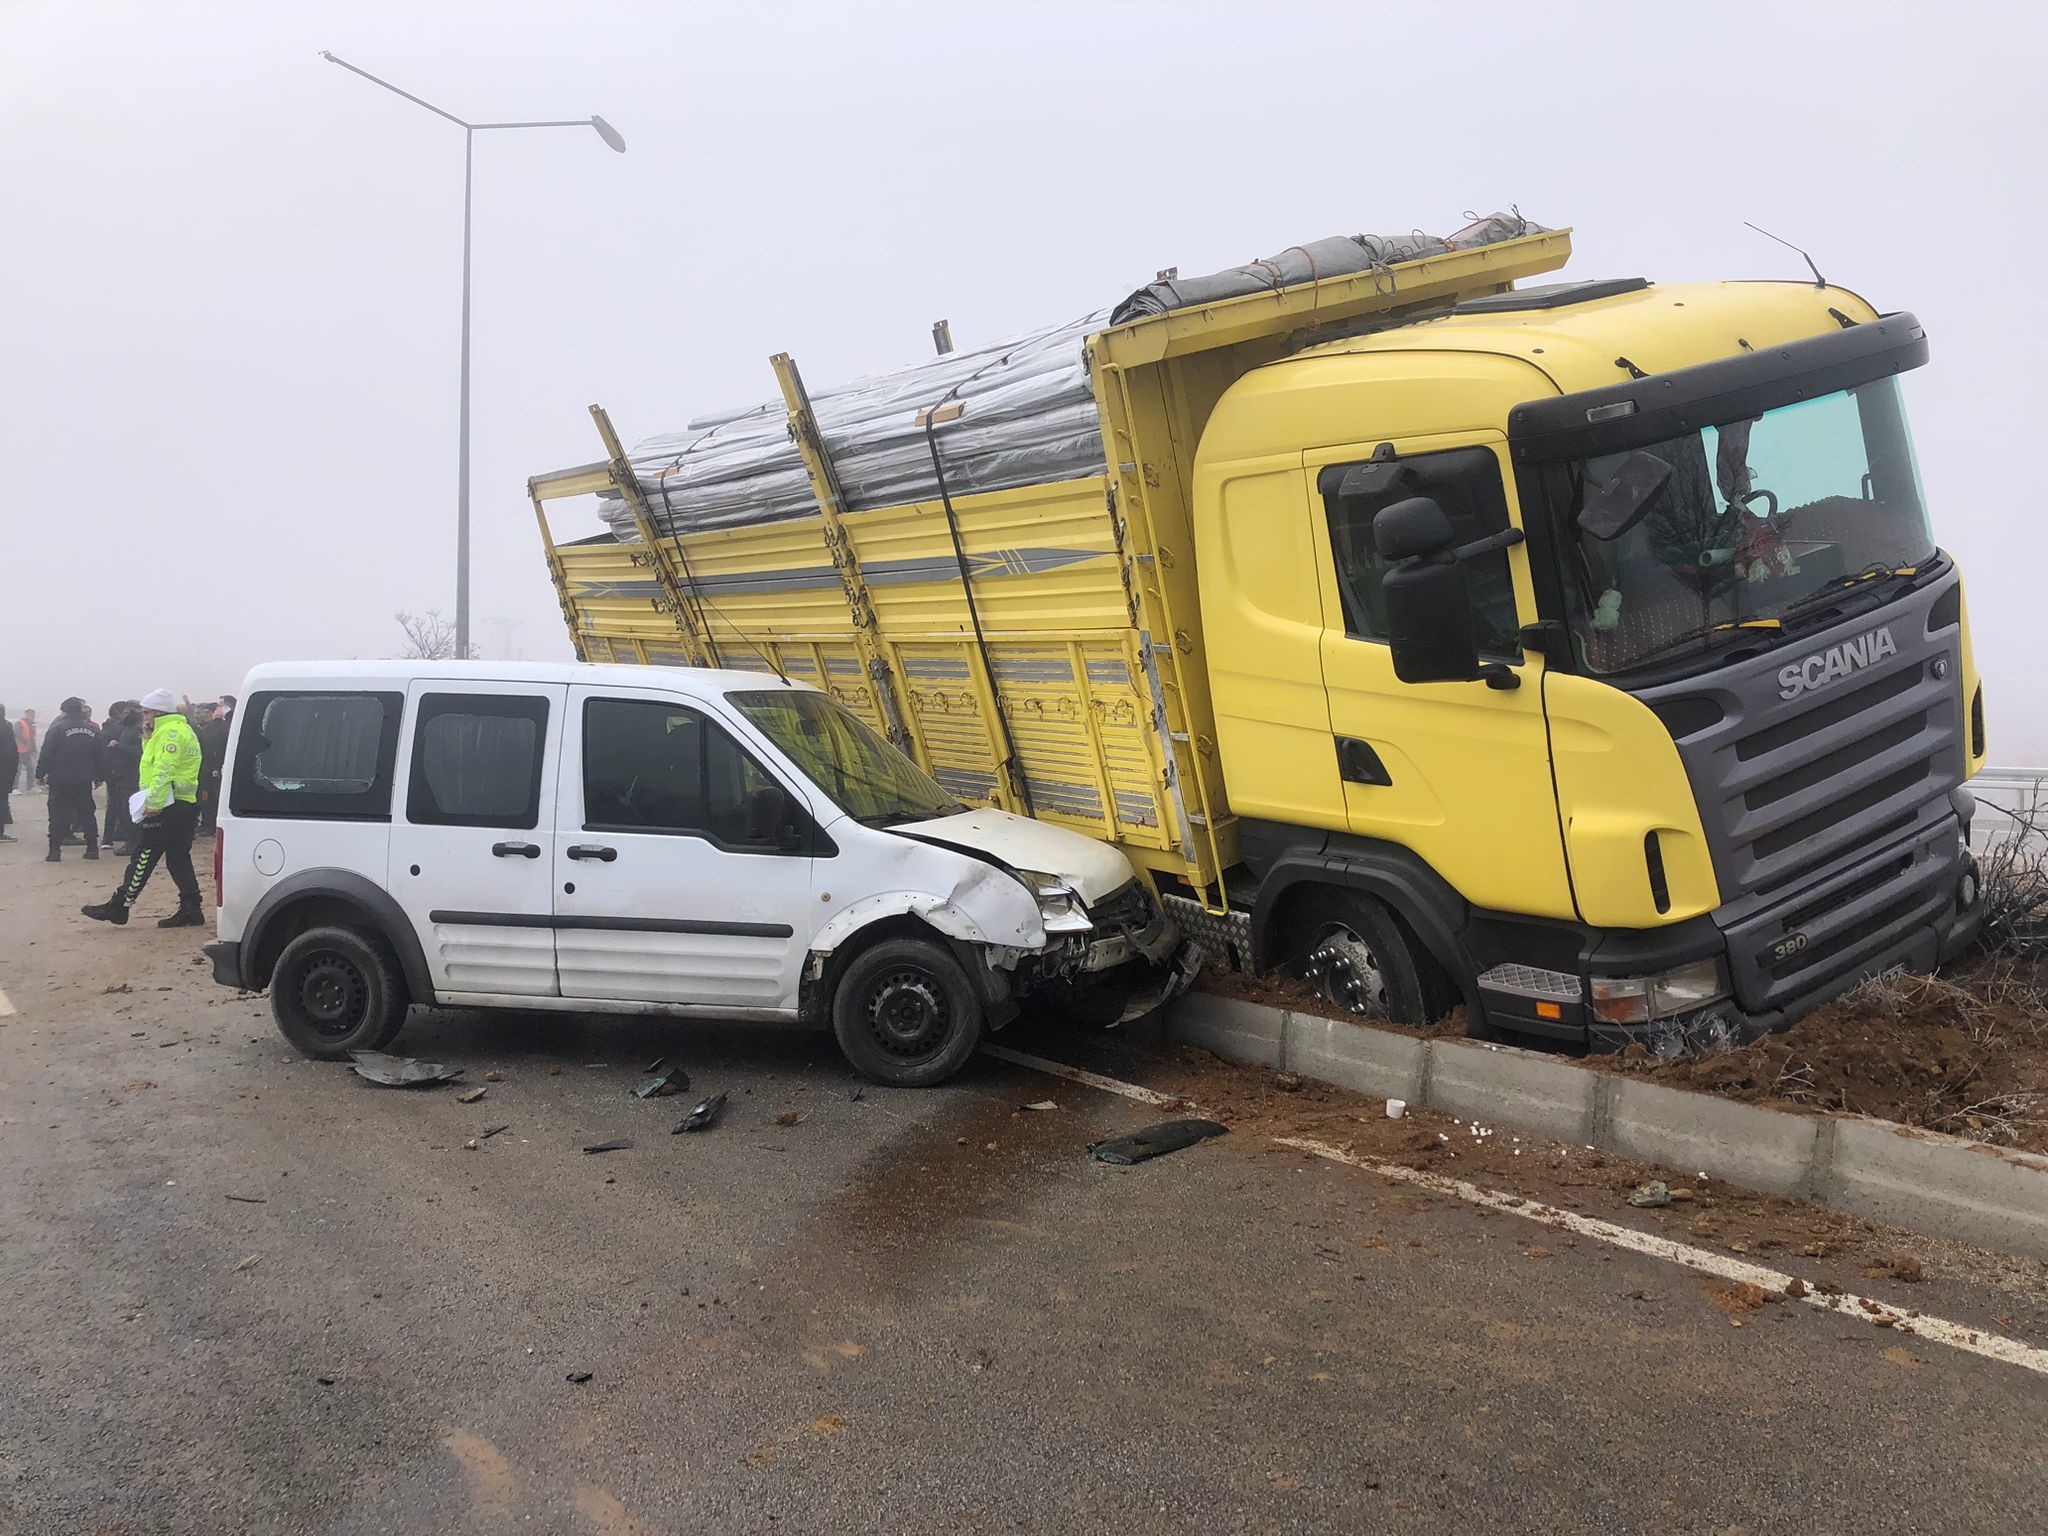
x: 1361, y: 956
x: 905, y: 1014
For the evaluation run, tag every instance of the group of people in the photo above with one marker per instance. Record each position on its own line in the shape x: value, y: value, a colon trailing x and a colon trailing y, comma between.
x: 161, y: 760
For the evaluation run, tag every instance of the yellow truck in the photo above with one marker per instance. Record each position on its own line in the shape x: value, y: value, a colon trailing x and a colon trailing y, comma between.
x: 1577, y: 652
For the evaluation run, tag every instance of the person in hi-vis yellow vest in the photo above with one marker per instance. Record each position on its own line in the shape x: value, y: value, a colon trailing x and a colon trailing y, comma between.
x: 170, y: 811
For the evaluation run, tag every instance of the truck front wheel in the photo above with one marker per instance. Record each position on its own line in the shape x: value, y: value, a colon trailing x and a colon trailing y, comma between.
x: 1360, y: 956
x: 905, y: 1014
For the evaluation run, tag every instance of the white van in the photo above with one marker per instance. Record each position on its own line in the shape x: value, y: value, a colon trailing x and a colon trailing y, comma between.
x: 615, y: 839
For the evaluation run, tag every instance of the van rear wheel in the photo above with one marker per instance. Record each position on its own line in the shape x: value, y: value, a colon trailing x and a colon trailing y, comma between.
x: 336, y: 990
x: 906, y: 1014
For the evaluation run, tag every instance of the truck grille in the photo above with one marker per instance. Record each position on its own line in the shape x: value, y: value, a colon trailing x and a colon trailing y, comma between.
x: 1786, y: 788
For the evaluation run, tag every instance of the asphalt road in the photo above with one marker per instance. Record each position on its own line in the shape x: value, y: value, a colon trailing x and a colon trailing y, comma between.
x: 905, y: 1312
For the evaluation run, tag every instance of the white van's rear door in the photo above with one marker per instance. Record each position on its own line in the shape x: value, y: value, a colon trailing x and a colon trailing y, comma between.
x: 678, y: 879
x: 472, y: 832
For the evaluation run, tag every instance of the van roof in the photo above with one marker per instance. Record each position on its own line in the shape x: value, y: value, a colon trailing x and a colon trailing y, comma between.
x: 367, y: 674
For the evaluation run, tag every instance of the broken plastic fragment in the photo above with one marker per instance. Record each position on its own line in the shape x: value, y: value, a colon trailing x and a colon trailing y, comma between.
x: 401, y: 1071
x: 472, y: 1095
x: 1154, y: 1141
x: 579, y: 1377
x: 618, y: 1145
x: 1042, y: 1104
x: 674, y: 1080
x: 702, y: 1116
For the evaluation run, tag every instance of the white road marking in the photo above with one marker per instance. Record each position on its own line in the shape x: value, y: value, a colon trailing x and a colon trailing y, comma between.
x: 1076, y: 1075
x: 1861, y: 1309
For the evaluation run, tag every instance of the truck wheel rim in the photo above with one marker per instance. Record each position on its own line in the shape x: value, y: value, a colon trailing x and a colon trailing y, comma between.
x: 1347, y: 971
x: 907, y: 1014
x: 333, y: 994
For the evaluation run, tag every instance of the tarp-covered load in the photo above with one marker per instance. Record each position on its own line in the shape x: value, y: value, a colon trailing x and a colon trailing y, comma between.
x: 1026, y: 414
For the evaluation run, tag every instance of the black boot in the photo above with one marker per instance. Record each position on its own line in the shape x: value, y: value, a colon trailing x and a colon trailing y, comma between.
x: 54, y: 856
x: 92, y: 854
x: 113, y: 911
x: 188, y: 915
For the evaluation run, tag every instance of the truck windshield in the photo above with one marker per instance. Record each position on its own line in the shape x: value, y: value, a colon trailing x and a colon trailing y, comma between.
x: 866, y: 777
x: 1727, y: 531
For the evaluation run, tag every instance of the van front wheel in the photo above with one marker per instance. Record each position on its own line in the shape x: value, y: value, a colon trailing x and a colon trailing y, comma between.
x: 905, y: 1014
x: 336, y: 990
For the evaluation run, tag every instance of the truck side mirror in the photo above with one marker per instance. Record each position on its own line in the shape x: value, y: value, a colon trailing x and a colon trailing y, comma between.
x: 1429, y: 615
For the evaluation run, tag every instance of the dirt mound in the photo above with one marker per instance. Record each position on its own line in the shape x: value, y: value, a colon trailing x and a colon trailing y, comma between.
x: 1966, y: 1056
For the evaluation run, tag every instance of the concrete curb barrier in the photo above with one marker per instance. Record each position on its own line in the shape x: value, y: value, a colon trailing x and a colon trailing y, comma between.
x: 1873, y: 1168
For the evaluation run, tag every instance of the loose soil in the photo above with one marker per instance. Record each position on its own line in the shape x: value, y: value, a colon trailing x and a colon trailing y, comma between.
x: 1966, y: 1056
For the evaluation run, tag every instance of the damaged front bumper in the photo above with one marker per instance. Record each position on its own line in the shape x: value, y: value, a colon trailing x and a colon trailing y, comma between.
x: 1124, y: 926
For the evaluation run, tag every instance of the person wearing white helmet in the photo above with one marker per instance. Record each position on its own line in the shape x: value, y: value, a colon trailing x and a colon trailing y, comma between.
x: 170, y: 813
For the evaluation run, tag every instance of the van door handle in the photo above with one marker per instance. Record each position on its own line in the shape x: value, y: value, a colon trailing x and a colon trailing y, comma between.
x: 515, y: 850
x: 593, y: 851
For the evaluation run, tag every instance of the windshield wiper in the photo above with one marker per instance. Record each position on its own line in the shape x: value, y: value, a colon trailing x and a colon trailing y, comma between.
x: 1710, y: 632
x: 1835, y: 586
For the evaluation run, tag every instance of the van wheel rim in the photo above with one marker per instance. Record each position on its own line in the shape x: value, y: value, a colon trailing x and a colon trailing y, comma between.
x: 333, y: 994
x: 1345, y: 970
x: 907, y: 1014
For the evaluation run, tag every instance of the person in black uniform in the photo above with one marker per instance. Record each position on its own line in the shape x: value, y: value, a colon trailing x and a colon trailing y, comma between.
x: 70, y: 764
x: 10, y: 765
x: 121, y: 755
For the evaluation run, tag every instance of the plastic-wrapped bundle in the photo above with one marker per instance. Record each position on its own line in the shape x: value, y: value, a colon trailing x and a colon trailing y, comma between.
x: 1027, y: 414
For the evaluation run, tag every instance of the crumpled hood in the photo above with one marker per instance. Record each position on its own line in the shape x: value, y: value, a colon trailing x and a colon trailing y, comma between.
x: 1094, y: 869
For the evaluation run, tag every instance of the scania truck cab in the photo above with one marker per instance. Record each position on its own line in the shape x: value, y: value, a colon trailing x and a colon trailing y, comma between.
x: 1651, y: 693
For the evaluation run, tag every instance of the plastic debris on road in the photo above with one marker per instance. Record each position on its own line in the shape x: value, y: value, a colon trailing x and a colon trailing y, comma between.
x: 390, y: 1071
x: 619, y: 1144
x: 674, y: 1080
x: 579, y: 1377
x: 701, y: 1118
x: 472, y: 1095
x: 1154, y: 1141
x: 1396, y: 1108
x: 1654, y: 1195
x: 1042, y: 1104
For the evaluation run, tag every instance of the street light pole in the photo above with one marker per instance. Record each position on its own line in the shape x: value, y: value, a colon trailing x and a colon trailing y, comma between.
x: 613, y: 140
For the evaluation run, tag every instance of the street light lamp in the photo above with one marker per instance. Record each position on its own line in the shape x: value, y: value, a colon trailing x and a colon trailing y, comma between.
x: 470, y: 130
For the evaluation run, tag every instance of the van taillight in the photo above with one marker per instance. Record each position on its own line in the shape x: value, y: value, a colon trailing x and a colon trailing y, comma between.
x: 220, y: 841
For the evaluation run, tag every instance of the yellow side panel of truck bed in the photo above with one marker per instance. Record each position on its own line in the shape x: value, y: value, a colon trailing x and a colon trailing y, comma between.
x: 1062, y: 648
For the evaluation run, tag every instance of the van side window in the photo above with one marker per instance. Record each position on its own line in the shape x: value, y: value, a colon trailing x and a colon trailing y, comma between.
x: 476, y: 760
x: 650, y: 766
x: 1466, y: 483
x: 316, y: 755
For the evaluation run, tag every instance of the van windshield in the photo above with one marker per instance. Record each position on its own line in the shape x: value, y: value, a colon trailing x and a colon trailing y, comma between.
x: 866, y: 777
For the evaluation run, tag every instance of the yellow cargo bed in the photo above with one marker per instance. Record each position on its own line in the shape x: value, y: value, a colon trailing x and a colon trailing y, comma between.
x: 1087, y: 671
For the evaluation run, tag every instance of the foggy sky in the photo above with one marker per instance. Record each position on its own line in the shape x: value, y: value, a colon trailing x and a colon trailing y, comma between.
x: 229, y: 276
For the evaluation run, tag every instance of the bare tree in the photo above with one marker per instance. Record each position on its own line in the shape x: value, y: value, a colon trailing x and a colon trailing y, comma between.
x: 428, y: 637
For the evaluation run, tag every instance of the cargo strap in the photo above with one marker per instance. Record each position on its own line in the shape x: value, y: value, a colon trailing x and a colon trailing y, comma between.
x: 1013, y: 766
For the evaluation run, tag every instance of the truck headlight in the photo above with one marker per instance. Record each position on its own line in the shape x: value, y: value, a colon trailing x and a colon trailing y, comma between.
x: 1056, y: 898
x: 1639, y: 999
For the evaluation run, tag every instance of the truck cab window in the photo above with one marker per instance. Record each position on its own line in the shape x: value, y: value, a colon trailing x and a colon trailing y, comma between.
x: 1466, y: 483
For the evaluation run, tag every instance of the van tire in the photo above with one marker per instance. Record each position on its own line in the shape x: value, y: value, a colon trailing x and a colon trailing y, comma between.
x: 336, y: 990
x: 1360, y: 934
x: 905, y: 1014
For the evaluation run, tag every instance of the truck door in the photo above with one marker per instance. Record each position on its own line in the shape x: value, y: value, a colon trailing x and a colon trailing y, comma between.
x: 673, y: 883
x: 1457, y: 772
x: 470, y: 834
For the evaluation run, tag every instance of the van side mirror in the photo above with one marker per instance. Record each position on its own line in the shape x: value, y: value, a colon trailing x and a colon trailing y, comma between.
x: 771, y: 820
x: 1428, y: 610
